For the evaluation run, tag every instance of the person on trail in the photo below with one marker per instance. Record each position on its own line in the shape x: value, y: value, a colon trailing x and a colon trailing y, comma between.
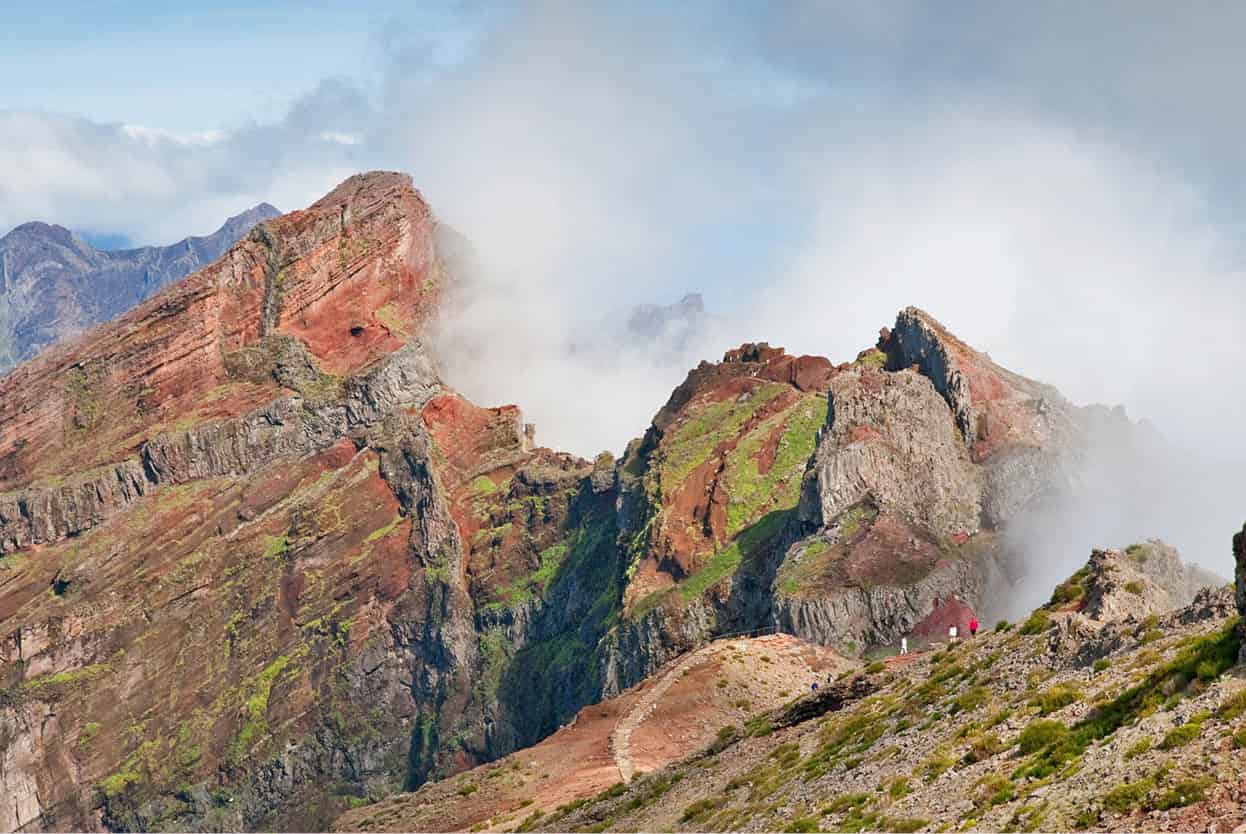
x: 973, y: 626
x: 815, y: 686
x: 904, y: 645
x: 952, y: 632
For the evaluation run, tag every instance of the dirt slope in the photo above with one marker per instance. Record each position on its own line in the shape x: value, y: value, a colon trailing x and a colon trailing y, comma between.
x: 673, y: 714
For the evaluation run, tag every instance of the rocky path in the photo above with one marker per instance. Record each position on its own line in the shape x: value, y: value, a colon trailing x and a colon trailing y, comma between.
x: 621, y: 738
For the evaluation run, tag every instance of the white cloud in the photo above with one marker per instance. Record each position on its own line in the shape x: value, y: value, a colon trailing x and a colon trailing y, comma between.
x: 155, y: 136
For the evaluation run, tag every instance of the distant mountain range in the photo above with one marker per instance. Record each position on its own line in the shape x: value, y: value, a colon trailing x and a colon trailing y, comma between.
x: 53, y: 284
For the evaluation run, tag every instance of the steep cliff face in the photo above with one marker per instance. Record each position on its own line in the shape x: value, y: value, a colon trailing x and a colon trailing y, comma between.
x: 234, y: 577
x: 1024, y: 434
x: 54, y: 285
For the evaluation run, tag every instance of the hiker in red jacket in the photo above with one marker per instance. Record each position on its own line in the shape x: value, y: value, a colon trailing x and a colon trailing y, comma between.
x: 973, y: 626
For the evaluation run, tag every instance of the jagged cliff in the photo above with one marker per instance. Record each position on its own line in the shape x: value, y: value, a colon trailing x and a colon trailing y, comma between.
x: 228, y: 582
x: 259, y: 562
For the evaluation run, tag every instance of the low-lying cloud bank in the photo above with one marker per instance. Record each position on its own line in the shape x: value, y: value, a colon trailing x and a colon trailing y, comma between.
x: 810, y: 173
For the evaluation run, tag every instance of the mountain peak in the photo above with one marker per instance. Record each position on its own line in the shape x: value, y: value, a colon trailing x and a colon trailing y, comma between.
x: 366, y: 187
x: 39, y: 230
x: 344, y: 283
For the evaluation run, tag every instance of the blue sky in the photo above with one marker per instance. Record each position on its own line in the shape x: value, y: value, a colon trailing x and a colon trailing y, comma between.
x: 183, y: 67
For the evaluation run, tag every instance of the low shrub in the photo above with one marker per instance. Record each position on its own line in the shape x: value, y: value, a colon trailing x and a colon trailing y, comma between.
x: 1233, y: 706
x: 936, y: 766
x: 727, y: 736
x: 1138, y: 748
x: 1184, y: 793
x: 701, y: 808
x: 1067, y: 592
x: 996, y: 790
x: 1124, y: 798
x: 1179, y: 736
x: 1037, y: 623
x: 970, y: 700
x: 1041, y: 734
x: 1056, y: 698
x: 983, y: 748
x: 1207, y: 671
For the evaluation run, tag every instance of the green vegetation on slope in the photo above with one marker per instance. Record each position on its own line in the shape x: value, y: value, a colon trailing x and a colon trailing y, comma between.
x: 750, y: 492
x: 695, y: 439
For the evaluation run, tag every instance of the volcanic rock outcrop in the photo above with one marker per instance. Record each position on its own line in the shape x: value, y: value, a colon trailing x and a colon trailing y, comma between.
x: 1024, y: 433
x: 54, y: 285
x: 1140, y: 580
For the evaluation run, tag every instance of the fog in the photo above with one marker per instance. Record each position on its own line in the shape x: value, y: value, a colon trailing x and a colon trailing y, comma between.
x: 1040, y: 186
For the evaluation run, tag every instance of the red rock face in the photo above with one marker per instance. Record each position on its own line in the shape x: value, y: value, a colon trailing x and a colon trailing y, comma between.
x: 251, y: 541
x: 947, y: 613
x: 713, y: 451
x: 509, y: 501
x: 352, y: 276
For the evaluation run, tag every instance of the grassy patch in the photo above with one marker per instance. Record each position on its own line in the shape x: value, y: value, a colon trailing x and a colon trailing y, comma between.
x: 1126, y: 797
x: 64, y: 684
x: 725, y: 562
x: 1184, y: 793
x: 483, y: 485
x: 1056, y: 698
x: 751, y: 493
x: 382, y: 532
x: 1233, y: 706
x: 1169, y: 681
x: 1037, y: 623
x: 1181, y: 736
x: 701, y: 809
x: 695, y: 439
x: 116, y: 784
x: 275, y: 546
x: 261, y: 686
x: 936, y: 766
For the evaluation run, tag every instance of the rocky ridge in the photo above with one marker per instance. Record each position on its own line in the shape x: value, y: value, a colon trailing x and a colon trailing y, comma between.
x: 54, y: 285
